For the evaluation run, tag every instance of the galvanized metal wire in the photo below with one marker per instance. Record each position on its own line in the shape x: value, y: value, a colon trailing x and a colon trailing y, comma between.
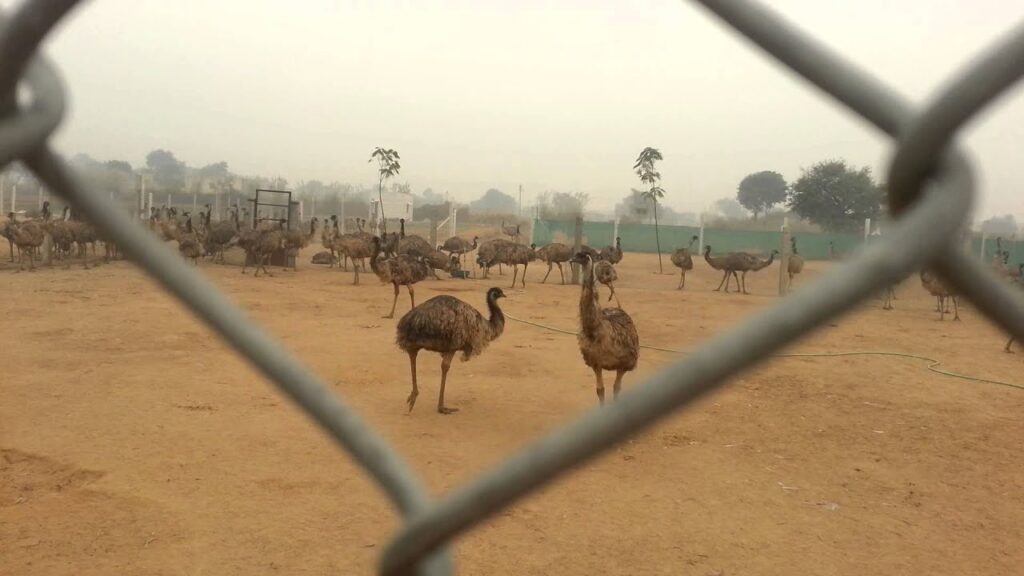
x: 931, y: 190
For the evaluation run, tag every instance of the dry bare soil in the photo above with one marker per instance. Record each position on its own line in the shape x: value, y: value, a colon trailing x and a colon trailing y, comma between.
x: 133, y: 441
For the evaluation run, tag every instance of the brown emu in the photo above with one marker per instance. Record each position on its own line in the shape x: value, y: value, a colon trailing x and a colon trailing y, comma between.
x: 447, y: 325
x: 796, y: 262
x: 511, y: 231
x: 554, y: 253
x: 607, y: 338
x: 401, y: 270
x: 295, y: 240
x: 190, y: 244
x: 28, y: 237
x: 682, y: 258
x: 612, y: 254
x: 412, y: 244
x: 486, y: 254
x: 459, y: 246
x: 938, y: 289
x: 753, y: 263
x: 220, y: 235
x: 513, y: 255
x: 728, y: 263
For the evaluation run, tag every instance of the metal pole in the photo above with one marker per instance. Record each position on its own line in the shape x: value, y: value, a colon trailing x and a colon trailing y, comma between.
x: 700, y: 241
x: 453, y: 213
x: 984, y: 238
x: 344, y: 196
x: 867, y: 229
x: 577, y: 244
x: 14, y: 198
x: 784, y: 261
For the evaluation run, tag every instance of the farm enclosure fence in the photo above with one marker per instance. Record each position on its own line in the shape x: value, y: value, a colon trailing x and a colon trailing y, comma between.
x: 931, y: 190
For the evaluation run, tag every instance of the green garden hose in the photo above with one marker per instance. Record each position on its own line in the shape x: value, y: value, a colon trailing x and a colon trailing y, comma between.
x: 933, y: 364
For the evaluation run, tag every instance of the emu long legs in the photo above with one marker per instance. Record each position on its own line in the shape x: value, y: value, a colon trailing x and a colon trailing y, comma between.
x: 446, y: 363
x: 560, y: 272
x: 411, y: 400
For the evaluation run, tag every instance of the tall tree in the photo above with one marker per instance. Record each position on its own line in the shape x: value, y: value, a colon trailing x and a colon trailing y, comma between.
x: 730, y: 208
x: 645, y: 169
x: 119, y: 166
x: 215, y: 170
x: 387, y: 167
x: 836, y: 197
x: 759, y: 191
x: 554, y: 204
x: 494, y: 201
x: 168, y: 172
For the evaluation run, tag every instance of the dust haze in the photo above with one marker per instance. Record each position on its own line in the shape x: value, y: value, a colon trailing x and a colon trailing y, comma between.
x: 478, y: 95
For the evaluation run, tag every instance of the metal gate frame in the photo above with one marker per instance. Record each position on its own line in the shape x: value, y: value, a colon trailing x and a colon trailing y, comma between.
x: 930, y: 187
x: 278, y: 257
x: 287, y: 207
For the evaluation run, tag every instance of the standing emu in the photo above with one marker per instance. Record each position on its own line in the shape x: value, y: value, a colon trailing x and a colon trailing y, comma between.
x: 613, y: 254
x: 446, y: 325
x: 401, y: 270
x: 511, y: 231
x: 941, y: 292
x: 796, y: 263
x: 554, y: 253
x: 682, y: 258
x: 607, y: 338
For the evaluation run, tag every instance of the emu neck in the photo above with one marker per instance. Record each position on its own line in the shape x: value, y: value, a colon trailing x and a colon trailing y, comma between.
x: 707, y: 258
x: 590, y: 311
x: 374, y: 253
x: 497, y: 319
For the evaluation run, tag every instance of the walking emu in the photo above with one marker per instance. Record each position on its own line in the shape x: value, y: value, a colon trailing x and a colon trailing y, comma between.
x: 401, y: 270
x: 446, y: 325
x: 682, y: 258
x: 607, y: 338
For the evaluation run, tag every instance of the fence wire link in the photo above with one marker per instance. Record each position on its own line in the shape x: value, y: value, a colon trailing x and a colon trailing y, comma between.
x: 931, y: 189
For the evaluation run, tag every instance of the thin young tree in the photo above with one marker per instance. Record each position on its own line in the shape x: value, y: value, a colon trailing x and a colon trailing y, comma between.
x: 644, y: 168
x: 387, y: 167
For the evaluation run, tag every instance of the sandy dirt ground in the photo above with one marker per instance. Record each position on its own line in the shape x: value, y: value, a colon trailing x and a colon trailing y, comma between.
x: 133, y: 441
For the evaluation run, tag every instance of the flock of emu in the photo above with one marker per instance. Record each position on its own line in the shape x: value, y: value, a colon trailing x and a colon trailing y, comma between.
x: 607, y: 338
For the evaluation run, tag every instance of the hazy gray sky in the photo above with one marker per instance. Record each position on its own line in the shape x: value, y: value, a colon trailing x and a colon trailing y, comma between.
x: 553, y: 95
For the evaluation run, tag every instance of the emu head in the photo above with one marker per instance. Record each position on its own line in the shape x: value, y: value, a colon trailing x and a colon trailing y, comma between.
x: 494, y: 293
x: 583, y: 258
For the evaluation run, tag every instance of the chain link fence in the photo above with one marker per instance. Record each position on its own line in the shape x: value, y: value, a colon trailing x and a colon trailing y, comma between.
x: 931, y: 190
